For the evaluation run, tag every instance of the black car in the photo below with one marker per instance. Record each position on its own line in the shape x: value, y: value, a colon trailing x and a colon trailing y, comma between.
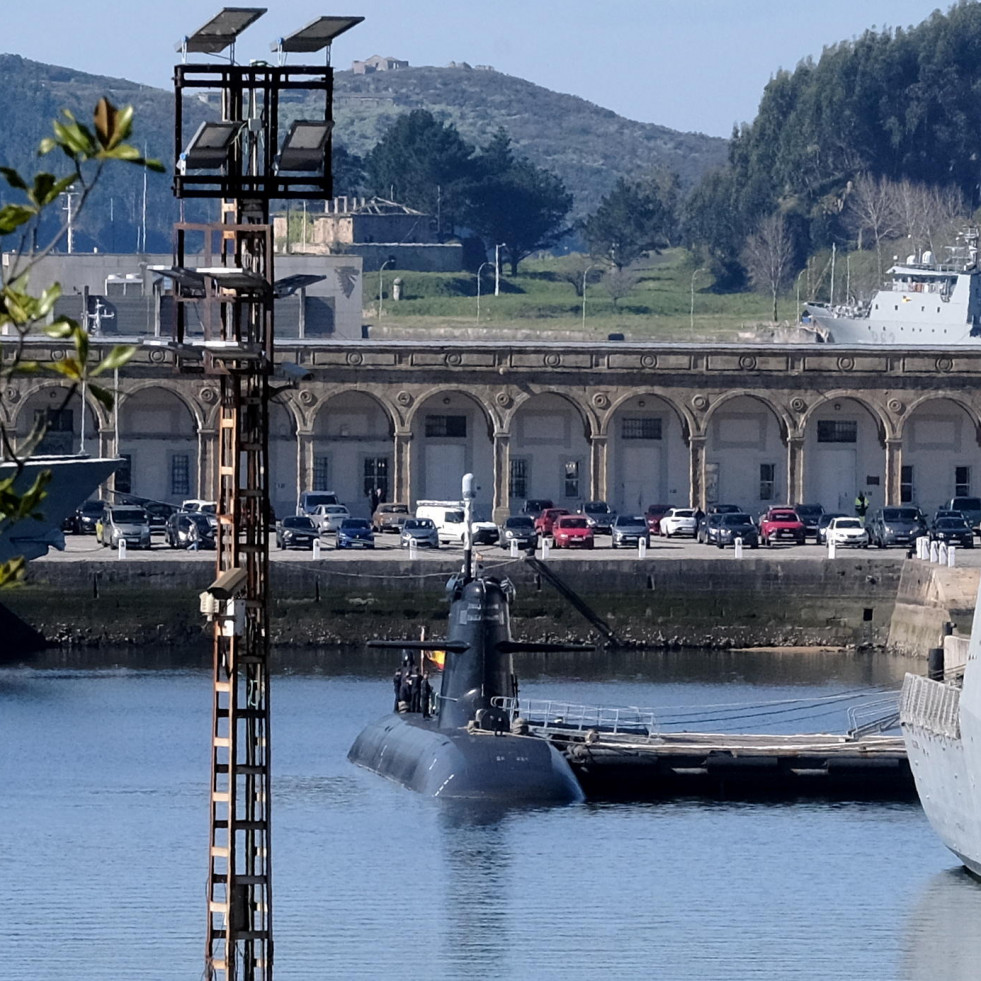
x: 535, y: 505
x: 952, y: 531
x: 600, y: 515
x: 724, y: 529
x: 810, y: 514
x: 85, y: 517
x: 296, y: 531
x: 189, y: 529
x: 521, y: 529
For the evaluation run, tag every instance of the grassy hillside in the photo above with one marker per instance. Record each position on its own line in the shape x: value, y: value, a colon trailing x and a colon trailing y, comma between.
x: 540, y: 300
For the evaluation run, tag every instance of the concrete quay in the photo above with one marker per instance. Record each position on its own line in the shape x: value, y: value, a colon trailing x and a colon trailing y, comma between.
x: 680, y: 594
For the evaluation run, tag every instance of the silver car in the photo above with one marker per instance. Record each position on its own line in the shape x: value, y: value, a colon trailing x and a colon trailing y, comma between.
x: 124, y: 523
x: 422, y: 531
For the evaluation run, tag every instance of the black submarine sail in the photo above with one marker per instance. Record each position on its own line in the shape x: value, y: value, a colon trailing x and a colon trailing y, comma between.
x: 468, y: 749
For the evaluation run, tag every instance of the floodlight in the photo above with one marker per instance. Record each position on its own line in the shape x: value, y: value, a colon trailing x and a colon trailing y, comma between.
x: 316, y: 35
x: 235, y: 278
x: 303, y: 148
x: 210, y: 145
x: 221, y: 30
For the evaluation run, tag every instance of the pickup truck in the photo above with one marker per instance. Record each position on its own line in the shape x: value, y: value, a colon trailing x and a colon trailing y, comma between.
x: 781, y: 525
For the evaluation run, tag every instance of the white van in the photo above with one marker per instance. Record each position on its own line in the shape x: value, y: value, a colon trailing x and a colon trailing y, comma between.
x: 448, y: 518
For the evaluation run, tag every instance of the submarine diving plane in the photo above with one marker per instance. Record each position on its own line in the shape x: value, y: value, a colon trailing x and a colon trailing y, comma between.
x: 469, y: 748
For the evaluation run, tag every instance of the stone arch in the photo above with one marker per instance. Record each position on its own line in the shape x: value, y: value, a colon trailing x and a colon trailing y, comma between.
x: 647, y: 452
x: 550, y: 450
x: 778, y: 411
x: 72, y: 430
x: 349, y: 449
x: 452, y: 434
x: 940, y: 455
x: 746, y: 460
x: 192, y: 405
x: 843, y: 452
x: 158, y: 437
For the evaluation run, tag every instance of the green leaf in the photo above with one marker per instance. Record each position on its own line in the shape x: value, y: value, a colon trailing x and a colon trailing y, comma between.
x: 47, y: 188
x: 12, y: 216
x: 70, y: 368
x: 13, y: 178
x: 12, y: 571
x: 60, y: 329
x: 103, y: 395
x: 116, y: 358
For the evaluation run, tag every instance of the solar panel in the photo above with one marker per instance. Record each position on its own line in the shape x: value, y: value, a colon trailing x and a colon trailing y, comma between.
x: 221, y: 30
x: 316, y: 35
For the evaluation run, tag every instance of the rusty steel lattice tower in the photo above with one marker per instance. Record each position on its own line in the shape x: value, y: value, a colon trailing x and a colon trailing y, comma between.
x: 224, y: 297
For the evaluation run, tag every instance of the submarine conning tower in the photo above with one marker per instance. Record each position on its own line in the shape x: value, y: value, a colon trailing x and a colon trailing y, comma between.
x: 479, y: 619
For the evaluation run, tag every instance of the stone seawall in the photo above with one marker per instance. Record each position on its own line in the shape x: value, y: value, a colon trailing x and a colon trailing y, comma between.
x: 928, y: 598
x: 345, y: 601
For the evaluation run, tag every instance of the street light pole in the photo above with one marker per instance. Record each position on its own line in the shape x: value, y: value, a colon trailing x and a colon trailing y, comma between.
x: 480, y: 269
x: 497, y: 268
x: 380, y: 270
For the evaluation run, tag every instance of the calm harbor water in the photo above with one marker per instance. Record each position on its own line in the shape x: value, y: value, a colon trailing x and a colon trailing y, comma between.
x: 103, y: 783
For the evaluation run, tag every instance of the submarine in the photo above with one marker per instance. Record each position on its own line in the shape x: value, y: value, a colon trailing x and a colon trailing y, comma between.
x: 468, y: 748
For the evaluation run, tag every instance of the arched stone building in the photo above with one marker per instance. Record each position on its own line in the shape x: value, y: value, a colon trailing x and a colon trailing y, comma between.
x: 634, y: 424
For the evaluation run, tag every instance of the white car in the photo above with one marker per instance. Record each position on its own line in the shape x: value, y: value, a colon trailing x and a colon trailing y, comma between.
x: 679, y: 521
x: 328, y: 517
x: 847, y: 531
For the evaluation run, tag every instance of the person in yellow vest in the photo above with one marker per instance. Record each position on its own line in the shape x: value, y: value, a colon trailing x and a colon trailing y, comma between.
x: 861, y: 505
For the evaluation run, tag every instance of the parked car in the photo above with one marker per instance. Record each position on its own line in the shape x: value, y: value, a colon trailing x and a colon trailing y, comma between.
x: 823, y: 522
x: 847, y: 530
x: 389, y: 517
x: 328, y: 517
x: 355, y: 533
x: 679, y: 521
x: 629, y: 529
x: 544, y: 522
x: 450, y: 520
x: 535, y: 505
x: 653, y: 515
x: 179, y: 532
x: 781, y: 525
x: 724, y: 529
x: 519, y: 528
x: 896, y: 525
x: 711, y: 509
x: 422, y: 531
x: 572, y: 531
x: 970, y: 507
x: 158, y: 513
x: 810, y: 515
x: 296, y: 531
x: 124, y: 522
x: 600, y: 515
x: 85, y: 517
x: 952, y: 531
x: 309, y: 500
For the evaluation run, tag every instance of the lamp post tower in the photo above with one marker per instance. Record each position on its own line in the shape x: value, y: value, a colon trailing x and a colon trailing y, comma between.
x: 224, y: 291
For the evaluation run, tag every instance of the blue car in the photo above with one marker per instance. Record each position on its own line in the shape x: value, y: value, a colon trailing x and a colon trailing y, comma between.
x: 355, y: 533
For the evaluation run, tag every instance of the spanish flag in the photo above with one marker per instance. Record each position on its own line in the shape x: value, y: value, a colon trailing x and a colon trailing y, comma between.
x: 436, y: 658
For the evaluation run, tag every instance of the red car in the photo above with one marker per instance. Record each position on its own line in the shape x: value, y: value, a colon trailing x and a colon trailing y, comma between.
x: 544, y: 522
x: 653, y: 515
x: 572, y: 531
x: 781, y: 525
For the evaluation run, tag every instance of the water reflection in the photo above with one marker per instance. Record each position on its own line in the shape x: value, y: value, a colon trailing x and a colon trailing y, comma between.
x: 943, y: 932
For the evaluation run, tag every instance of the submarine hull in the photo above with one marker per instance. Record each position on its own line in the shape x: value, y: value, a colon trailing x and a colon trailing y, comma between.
x: 459, y: 765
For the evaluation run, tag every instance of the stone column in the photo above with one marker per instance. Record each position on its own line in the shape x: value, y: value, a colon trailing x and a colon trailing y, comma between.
x: 402, y: 467
x: 207, y: 477
x: 502, y: 477
x: 696, y: 465
x: 304, y: 461
x: 598, y: 454
x: 894, y: 469
x: 795, y: 470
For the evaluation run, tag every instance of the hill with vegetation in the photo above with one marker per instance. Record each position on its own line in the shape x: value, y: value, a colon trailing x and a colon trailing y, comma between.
x: 587, y: 146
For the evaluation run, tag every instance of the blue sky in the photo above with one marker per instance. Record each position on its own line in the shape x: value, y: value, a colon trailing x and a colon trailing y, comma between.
x: 688, y: 64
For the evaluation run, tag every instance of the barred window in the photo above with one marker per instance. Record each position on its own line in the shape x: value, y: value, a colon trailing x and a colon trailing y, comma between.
x: 768, y: 480
x: 572, y: 478
x: 376, y: 476
x: 180, y: 475
x: 321, y: 473
x: 906, y: 484
x: 962, y: 481
x: 518, y: 478
x: 446, y: 426
x: 837, y: 431
x: 641, y: 427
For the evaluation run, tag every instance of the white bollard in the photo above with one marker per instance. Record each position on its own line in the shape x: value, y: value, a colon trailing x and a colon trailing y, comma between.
x: 934, y: 552
x: 544, y: 548
x: 413, y: 549
x: 832, y: 549
x: 922, y: 548
x: 316, y: 550
x: 121, y: 548
x: 942, y: 553
x: 737, y: 546
x: 641, y: 548
x: 951, y: 553
x: 514, y: 549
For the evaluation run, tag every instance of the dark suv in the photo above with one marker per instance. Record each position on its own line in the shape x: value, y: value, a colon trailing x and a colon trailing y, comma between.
x: 810, y: 514
x: 895, y: 526
x: 724, y: 529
